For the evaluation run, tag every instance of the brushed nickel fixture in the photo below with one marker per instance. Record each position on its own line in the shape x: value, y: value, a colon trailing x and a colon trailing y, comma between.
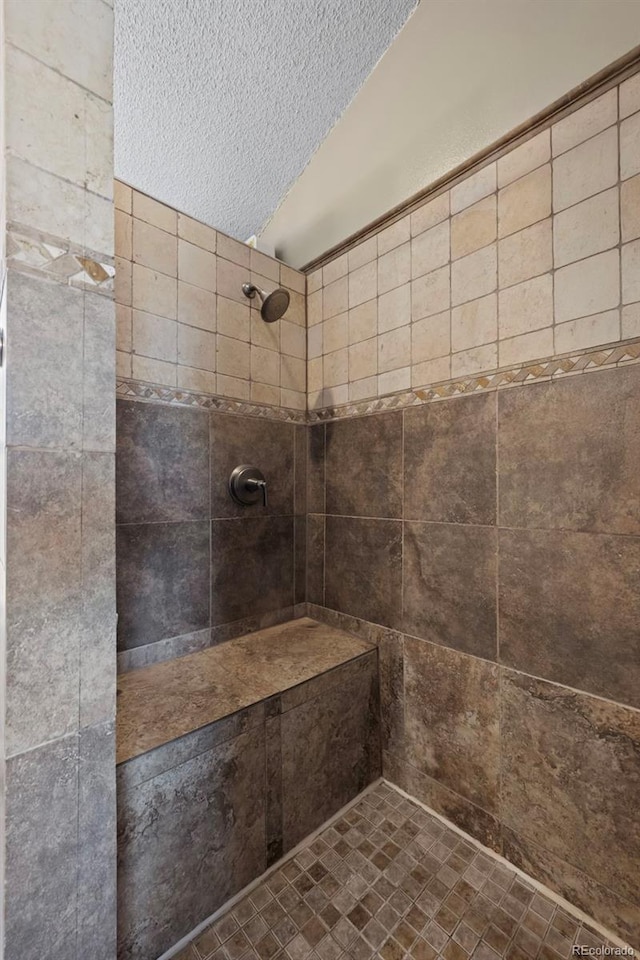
x: 247, y: 485
x: 274, y: 304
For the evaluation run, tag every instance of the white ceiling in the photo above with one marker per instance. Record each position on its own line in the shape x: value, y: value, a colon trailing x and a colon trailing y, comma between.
x: 461, y: 74
x: 220, y: 104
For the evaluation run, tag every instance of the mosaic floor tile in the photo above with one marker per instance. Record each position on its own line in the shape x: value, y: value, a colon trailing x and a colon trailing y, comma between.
x: 389, y: 880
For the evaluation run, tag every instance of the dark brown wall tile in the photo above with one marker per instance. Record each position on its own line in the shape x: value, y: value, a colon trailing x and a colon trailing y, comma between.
x: 450, y: 586
x: 363, y: 568
x: 315, y: 559
x: 570, y: 608
x: 316, y: 469
x: 300, y: 455
x: 364, y: 466
x: 581, y: 890
x: 575, y: 761
x: 265, y: 444
x: 300, y: 564
x: 162, y: 580
x: 391, y: 677
x: 570, y: 453
x: 452, y: 720
x: 450, y: 461
x: 465, y: 814
x: 330, y: 750
x: 251, y: 567
x: 162, y: 463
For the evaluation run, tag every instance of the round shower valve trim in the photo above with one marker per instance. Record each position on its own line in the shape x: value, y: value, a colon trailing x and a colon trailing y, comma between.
x: 247, y: 485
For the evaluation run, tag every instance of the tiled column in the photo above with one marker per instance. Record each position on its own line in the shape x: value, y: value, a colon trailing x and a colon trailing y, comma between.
x: 59, y: 662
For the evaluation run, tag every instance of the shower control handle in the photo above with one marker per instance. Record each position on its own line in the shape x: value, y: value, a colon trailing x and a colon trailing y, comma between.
x: 247, y: 485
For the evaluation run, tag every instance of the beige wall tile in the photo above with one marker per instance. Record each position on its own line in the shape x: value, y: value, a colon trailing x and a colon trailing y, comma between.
x: 630, y: 147
x: 363, y: 321
x: 314, y: 307
x: 430, y: 294
x: 336, y: 368
x: 630, y: 96
x: 475, y: 275
x: 586, y: 228
x: 122, y: 196
x: 154, y: 371
x: 630, y: 208
x: 473, y: 188
x: 363, y: 359
x: 233, y: 358
x: 196, y: 266
x: 197, y: 348
x: 314, y: 375
x: 293, y: 279
x: 263, y: 334
x: 265, y: 393
x: 474, y: 323
x: 584, y: 123
x: 198, y: 233
x: 314, y: 281
x: 314, y: 342
x: 233, y: 318
x: 123, y: 364
x: 431, y: 371
x: 525, y: 201
x: 430, y: 250
x: 394, y: 308
x: 586, y: 170
x: 431, y: 338
x: 265, y: 365
x: 123, y: 328
x: 123, y: 235
x: 474, y: 228
x: 122, y: 283
x: 297, y: 309
x: 154, y: 337
x: 335, y: 269
x: 145, y: 208
x: 293, y: 340
x: 229, y: 280
x: 526, y: 306
x: 335, y: 333
x: 335, y: 298
x: 394, y: 268
x: 525, y: 158
x: 200, y: 381
x: 394, y: 349
x: 477, y: 360
x: 525, y: 254
x: 334, y: 396
x: 631, y: 321
x: 264, y: 265
x: 363, y: 284
x: 394, y: 380
x: 363, y: 389
x: 197, y: 307
x: 293, y: 399
x: 630, y: 272
x: 364, y: 253
x: 234, y: 251
x: 293, y: 374
x: 154, y: 248
x: 528, y: 346
x: 587, y: 332
x: 233, y: 387
x: 429, y: 214
x: 394, y: 235
x: 154, y: 292
x: 588, y: 286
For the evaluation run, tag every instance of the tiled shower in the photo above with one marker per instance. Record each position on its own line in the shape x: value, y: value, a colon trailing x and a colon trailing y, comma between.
x: 394, y: 711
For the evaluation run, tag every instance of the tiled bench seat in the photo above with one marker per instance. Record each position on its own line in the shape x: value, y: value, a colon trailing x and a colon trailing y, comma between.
x: 229, y: 757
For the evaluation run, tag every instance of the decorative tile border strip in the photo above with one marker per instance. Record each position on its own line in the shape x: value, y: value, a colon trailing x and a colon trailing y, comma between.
x: 153, y: 393
x: 56, y: 258
x: 550, y: 369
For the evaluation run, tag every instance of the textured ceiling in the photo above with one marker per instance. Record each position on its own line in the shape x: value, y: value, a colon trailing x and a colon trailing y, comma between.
x: 219, y: 104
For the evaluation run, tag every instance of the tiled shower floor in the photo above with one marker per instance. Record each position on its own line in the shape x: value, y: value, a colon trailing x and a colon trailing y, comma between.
x: 389, y: 880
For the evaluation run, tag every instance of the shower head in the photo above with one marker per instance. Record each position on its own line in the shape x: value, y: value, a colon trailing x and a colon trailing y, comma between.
x: 274, y: 304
